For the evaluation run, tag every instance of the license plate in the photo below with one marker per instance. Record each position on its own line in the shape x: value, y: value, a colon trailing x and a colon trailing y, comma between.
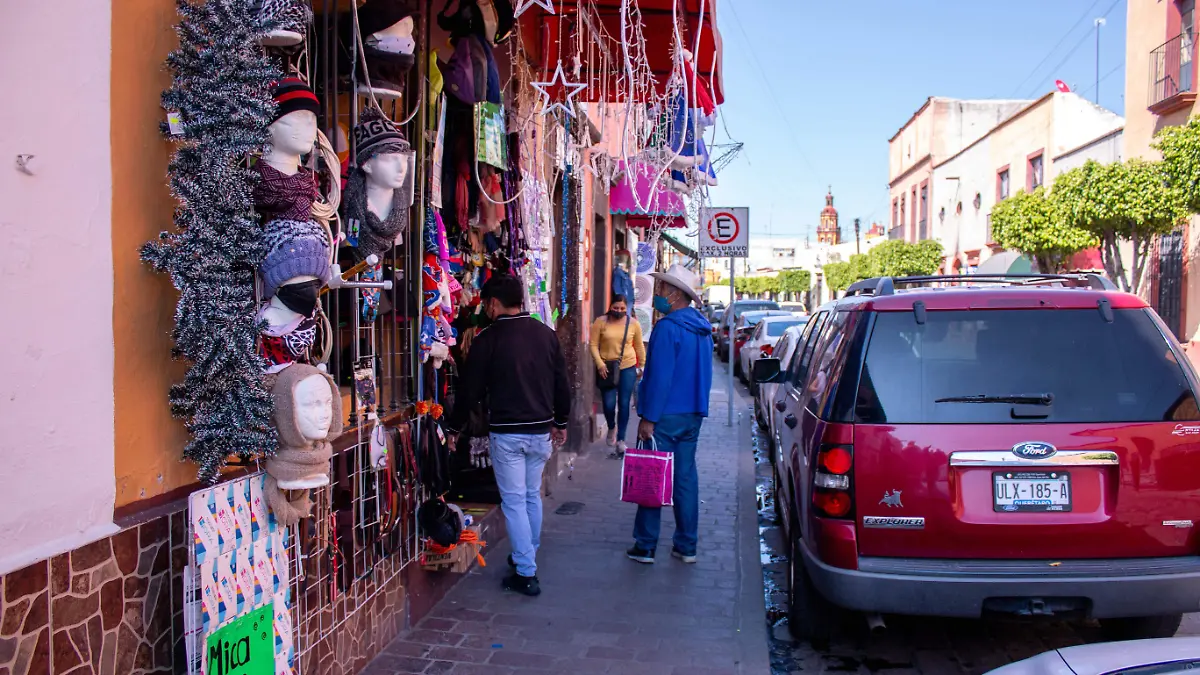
x: 1025, y: 491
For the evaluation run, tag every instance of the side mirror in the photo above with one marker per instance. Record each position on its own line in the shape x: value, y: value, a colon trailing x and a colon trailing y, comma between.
x: 766, y: 370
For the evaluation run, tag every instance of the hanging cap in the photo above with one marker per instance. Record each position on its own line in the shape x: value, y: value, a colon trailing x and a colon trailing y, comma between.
x: 375, y: 135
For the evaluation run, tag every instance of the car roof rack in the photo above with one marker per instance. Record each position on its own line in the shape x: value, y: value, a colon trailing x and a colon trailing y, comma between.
x: 881, y: 286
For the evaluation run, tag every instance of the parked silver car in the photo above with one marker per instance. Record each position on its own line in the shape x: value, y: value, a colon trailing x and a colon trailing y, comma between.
x: 762, y: 342
x: 764, y: 399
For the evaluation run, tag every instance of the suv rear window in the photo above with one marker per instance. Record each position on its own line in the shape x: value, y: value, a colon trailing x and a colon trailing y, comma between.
x: 1095, y: 371
x: 743, y: 307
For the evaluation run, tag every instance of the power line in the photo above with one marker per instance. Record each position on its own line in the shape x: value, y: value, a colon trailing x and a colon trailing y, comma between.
x: 1046, y: 58
x: 770, y: 91
x: 1075, y: 48
x: 1102, y: 78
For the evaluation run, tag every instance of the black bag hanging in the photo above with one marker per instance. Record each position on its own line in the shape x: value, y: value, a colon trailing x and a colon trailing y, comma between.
x: 614, y: 367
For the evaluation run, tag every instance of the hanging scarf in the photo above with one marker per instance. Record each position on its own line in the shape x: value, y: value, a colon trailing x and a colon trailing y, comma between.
x: 375, y: 236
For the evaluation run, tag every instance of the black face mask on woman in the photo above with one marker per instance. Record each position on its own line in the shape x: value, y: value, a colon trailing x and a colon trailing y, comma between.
x: 615, y: 314
x: 301, y: 298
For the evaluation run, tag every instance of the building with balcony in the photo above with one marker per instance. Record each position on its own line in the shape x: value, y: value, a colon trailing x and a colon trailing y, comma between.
x: 939, y: 129
x: 1160, y: 91
x: 1059, y: 131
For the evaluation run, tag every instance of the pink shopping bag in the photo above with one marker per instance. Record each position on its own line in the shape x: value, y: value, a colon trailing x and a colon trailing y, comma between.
x: 647, y: 477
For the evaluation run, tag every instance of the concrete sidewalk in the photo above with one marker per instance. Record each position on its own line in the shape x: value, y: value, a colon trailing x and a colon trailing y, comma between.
x: 600, y: 612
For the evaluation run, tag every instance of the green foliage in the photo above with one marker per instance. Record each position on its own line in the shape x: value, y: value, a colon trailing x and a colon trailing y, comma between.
x: 795, y: 281
x: 1180, y: 148
x: 1124, y: 201
x: 1030, y: 222
x: 838, y: 276
x: 898, y: 258
x: 893, y: 258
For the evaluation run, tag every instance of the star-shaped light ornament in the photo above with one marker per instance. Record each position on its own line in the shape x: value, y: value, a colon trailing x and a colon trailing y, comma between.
x: 552, y: 90
x: 523, y: 5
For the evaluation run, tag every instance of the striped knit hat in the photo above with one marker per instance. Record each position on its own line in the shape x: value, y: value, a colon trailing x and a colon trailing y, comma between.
x: 292, y: 94
x: 375, y: 135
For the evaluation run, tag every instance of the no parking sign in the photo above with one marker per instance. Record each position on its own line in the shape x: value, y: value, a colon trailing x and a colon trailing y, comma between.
x: 725, y: 232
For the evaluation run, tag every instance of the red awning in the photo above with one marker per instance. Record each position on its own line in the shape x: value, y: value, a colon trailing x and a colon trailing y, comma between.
x: 540, y: 31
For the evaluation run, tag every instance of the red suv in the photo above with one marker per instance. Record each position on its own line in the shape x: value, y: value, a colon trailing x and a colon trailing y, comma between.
x: 1017, y: 445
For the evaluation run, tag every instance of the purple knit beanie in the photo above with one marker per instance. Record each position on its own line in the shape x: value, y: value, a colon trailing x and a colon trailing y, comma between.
x: 294, y: 248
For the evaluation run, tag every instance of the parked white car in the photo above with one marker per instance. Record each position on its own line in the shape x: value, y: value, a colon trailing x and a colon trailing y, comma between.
x: 764, y: 398
x: 762, y: 342
x: 1162, y: 656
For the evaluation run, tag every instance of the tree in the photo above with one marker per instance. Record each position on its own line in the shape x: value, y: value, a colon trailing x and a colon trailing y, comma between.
x: 794, y: 281
x: 898, y: 258
x: 1124, y: 201
x: 1180, y: 148
x: 221, y: 89
x: 838, y: 275
x: 1029, y: 222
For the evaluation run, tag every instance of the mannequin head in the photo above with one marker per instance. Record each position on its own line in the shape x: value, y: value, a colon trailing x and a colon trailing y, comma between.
x: 313, y: 403
x: 388, y: 170
x: 293, y: 134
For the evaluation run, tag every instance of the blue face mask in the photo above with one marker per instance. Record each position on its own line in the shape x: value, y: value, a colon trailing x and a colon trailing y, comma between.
x: 662, y: 305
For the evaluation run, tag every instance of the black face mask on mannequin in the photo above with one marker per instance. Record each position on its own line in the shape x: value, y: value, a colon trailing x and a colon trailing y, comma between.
x: 301, y: 298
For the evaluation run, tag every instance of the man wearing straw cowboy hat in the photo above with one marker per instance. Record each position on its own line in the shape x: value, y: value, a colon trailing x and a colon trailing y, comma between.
x: 673, y: 402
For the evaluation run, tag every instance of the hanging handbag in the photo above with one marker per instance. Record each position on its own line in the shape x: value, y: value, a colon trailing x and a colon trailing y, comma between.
x: 647, y: 476
x: 614, y: 367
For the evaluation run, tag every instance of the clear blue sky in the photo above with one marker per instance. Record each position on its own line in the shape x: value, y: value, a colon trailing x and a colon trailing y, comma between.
x: 815, y: 88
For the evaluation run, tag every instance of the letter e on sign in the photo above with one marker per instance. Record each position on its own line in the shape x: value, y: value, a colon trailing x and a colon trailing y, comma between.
x: 725, y: 232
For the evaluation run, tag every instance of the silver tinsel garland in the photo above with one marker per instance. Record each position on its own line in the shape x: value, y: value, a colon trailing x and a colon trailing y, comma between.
x: 221, y: 90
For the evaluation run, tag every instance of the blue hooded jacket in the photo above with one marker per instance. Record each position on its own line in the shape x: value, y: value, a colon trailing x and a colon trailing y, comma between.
x: 678, y: 372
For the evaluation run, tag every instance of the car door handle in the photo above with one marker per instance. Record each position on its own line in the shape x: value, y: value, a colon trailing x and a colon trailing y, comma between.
x: 780, y: 406
x: 790, y: 420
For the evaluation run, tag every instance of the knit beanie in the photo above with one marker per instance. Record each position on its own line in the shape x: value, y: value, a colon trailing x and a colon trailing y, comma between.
x: 375, y: 135
x: 294, y: 248
x: 292, y: 94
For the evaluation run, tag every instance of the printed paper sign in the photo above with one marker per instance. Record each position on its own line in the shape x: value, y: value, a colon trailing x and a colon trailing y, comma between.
x: 244, y: 646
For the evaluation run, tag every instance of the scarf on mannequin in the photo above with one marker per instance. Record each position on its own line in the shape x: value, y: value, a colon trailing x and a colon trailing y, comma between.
x: 375, y: 236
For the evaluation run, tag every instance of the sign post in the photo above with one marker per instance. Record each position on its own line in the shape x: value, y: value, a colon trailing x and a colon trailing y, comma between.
x: 725, y: 233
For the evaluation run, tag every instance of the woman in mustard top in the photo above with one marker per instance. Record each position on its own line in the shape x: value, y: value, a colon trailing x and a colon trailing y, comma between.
x: 607, y: 347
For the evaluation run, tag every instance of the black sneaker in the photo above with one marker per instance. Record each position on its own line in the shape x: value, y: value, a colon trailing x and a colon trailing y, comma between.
x: 511, y: 563
x: 523, y: 585
x: 641, y: 555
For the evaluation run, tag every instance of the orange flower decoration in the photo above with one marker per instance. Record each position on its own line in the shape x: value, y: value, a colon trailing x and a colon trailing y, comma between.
x: 437, y: 411
x: 422, y: 407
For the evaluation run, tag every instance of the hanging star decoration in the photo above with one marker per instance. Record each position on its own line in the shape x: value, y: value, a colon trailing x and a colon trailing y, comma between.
x: 523, y: 5
x: 552, y: 90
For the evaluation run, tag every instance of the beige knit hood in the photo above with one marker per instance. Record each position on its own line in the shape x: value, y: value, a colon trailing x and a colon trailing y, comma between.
x: 297, y: 457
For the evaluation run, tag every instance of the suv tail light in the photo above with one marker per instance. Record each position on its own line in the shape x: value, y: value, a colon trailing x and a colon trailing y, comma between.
x: 832, y: 480
x: 766, y: 350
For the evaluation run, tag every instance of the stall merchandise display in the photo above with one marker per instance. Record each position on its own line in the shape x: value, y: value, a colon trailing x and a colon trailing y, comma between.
x: 308, y: 416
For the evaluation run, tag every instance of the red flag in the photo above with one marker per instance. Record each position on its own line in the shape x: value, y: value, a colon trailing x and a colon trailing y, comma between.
x: 1062, y: 86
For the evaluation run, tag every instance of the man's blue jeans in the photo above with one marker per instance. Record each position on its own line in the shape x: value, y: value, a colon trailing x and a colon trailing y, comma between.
x: 518, y: 460
x: 616, y: 401
x: 676, y: 434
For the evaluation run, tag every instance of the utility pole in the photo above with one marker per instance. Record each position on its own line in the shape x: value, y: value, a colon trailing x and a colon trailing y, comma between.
x: 1100, y: 21
x: 857, y: 246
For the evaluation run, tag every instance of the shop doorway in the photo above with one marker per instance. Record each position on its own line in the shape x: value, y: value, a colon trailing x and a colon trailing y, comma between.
x: 1170, y: 281
x: 601, y: 266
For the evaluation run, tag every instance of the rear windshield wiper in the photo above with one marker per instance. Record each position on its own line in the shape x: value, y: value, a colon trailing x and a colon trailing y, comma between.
x: 1016, y: 399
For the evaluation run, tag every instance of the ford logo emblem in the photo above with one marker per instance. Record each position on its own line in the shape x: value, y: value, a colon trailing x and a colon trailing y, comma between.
x: 1034, y: 450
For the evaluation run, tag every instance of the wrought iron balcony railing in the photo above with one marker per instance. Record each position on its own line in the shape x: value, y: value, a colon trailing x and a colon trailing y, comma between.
x: 1172, y: 74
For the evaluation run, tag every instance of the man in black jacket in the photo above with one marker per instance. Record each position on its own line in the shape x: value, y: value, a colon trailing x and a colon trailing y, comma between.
x: 516, y: 367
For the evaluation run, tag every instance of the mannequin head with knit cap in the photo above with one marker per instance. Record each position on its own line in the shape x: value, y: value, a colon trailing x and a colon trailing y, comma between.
x: 293, y: 131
